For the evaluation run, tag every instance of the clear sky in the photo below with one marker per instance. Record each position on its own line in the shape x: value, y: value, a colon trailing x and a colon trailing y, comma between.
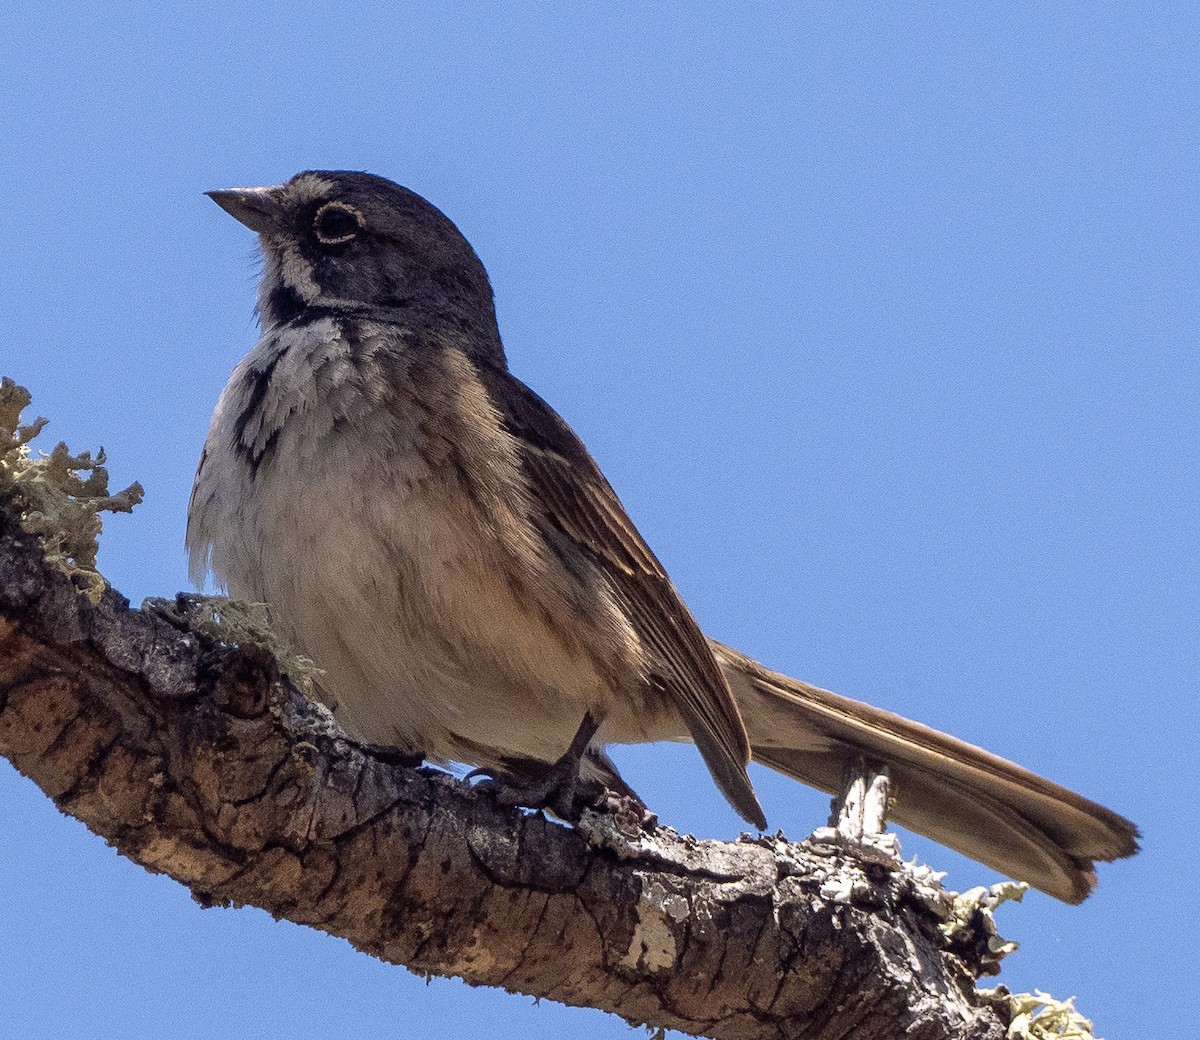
x: 883, y: 322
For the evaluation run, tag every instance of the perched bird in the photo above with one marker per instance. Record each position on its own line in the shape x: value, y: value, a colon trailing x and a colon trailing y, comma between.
x: 430, y: 532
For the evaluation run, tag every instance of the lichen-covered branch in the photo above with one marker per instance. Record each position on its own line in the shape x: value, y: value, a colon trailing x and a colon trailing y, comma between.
x: 193, y: 756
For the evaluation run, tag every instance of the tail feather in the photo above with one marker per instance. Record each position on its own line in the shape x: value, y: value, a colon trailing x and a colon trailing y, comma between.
x: 960, y: 795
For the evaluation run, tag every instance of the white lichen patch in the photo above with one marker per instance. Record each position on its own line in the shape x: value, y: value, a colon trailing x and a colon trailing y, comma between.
x: 653, y: 946
x: 58, y: 497
x: 848, y: 886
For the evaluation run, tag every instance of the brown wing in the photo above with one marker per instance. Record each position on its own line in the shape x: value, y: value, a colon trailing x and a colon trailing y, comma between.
x: 580, y: 504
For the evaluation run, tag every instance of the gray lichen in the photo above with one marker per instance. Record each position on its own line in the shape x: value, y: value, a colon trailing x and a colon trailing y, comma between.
x: 972, y: 910
x: 232, y: 622
x: 1038, y: 1016
x: 58, y: 497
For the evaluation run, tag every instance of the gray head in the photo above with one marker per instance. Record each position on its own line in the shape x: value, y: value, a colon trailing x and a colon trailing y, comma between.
x: 337, y: 242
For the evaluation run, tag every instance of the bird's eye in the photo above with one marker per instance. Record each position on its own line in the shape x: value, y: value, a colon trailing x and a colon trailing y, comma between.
x: 336, y: 223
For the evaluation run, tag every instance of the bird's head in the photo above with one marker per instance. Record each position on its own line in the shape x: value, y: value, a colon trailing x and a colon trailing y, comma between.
x: 354, y: 243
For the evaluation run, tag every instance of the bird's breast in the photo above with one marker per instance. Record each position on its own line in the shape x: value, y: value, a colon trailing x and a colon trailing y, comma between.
x: 376, y: 504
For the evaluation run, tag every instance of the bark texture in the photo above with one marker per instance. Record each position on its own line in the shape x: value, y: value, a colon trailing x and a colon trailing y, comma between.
x: 196, y: 758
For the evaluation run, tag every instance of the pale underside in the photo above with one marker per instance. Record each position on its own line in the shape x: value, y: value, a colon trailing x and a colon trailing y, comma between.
x: 430, y: 635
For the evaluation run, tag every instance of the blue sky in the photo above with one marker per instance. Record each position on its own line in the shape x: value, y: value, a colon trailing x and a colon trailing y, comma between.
x: 882, y: 322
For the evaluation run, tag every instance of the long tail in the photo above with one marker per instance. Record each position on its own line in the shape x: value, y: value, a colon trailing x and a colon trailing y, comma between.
x: 978, y: 803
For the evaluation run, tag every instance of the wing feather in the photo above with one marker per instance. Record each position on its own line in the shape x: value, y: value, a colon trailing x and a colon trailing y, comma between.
x: 574, y: 499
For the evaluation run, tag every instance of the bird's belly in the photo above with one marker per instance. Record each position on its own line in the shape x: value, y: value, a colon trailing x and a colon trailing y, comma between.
x: 410, y: 610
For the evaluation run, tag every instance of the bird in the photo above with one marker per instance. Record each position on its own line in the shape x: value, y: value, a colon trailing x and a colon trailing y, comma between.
x: 438, y: 540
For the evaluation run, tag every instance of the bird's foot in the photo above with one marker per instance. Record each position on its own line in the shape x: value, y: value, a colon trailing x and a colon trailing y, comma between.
x: 558, y: 787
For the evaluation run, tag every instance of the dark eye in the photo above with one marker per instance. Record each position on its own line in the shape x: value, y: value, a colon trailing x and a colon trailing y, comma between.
x: 336, y: 223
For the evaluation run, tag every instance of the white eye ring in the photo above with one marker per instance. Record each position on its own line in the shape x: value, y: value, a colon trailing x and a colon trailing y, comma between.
x: 335, y: 240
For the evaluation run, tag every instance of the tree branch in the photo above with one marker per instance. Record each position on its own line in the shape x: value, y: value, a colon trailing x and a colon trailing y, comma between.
x: 195, y: 758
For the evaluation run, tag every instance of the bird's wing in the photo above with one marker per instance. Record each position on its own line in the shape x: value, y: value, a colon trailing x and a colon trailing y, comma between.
x: 575, y: 499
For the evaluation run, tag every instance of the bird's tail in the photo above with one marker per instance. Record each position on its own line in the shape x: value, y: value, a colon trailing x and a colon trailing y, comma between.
x: 960, y: 795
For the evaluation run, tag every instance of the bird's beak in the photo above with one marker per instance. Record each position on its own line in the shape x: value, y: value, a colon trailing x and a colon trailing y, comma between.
x: 257, y: 208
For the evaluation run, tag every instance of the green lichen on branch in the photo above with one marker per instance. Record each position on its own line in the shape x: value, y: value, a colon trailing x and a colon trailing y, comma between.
x: 971, y: 914
x: 231, y: 622
x: 1038, y: 1016
x: 1030, y: 1016
x: 60, y: 496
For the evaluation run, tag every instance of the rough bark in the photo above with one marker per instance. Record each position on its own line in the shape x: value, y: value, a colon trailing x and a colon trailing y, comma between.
x: 195, y: 758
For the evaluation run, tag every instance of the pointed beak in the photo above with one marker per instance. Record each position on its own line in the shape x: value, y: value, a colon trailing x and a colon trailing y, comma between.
x: 257, y: 208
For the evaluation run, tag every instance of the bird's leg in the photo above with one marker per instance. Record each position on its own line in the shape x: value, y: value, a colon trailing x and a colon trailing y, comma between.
x: 559, y: 786
x: 860, y: 811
